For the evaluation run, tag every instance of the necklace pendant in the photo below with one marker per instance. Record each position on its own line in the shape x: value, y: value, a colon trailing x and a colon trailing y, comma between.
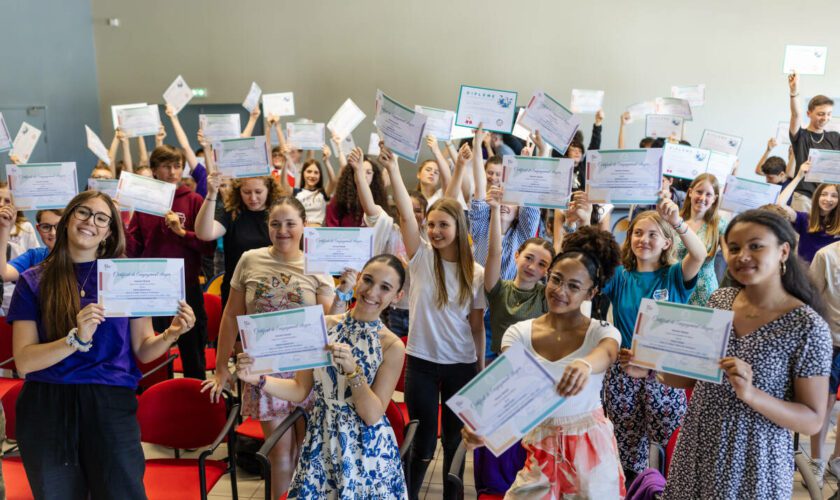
x: 82, y: 293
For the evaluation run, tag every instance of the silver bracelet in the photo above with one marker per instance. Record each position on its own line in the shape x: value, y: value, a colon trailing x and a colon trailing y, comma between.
x: 74, y: 342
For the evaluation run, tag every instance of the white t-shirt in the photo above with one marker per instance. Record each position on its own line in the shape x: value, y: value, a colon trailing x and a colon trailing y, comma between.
x: 439, y: 194
x: 387, y: 239
x: 589, y: 398
x: 825, y: 272
x: 315, y: 205
x: 443, y: 335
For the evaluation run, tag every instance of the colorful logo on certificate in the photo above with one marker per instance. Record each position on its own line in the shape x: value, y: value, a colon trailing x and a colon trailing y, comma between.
x: 505, y: 102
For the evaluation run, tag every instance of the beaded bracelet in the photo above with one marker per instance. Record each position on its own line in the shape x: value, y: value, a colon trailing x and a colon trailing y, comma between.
x: 77, y: 344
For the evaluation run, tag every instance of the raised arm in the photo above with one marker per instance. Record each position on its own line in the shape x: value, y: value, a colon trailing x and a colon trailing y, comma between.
x: 770, y: 145
x: 408, y: 224
x: 183, y: 141
x: 7, y: 221
x: 787, y: 192
x: 356, y: 161
x: 328, y: 168
x: 160, y: 136
x: 795, y: 106
x: 479, y: 177
x: 143, y: 153
x: 252, y: 122
x: 493, y: 265
x: 126, y: 147
x: 595, y: 138
x: 342, y: 159
x: 464, y: 157
x: 696, y: 255
x: 207, y: 228
x: 790, y: 168
x: 625, y: 119
x: 443, y: 165
x: 112, y: 151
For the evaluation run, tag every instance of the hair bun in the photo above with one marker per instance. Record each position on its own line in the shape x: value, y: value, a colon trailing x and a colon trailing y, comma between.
x: 597, y: 244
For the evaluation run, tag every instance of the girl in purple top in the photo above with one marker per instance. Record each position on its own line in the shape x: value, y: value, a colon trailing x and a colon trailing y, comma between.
x: 77, y: 429
x: 821, y: 226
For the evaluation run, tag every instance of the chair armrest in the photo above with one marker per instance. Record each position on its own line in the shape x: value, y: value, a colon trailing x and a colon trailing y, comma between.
x: 454, y: 473
x: 163, y: 364
x: 408, y: 438
x: 284, y: 426
x: 232, y: 414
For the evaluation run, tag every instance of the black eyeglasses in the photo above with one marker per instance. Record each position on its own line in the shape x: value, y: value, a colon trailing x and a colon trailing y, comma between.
x: 100, y: 219
x: 47, y: 228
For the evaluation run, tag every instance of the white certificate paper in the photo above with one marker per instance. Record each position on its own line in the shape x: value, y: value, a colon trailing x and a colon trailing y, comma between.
x: 373, y: 144
x: 345, y: 146
x: 285, y: 341
x: 557, y: 125
x: 721, y: 165
x: 586, y: 101
x: 673, y: 106
x: 720, y: 142
x: 178, y: 94
x: 825, y: 166
x: 783, y: 133
x: 640, y: 110
x: 104, y: 186
x: 438, y: 122
x: 329, y: 250
x: 242, y: 157
x: 139, y: 122
x: 280, y: 104
x: 25, y: 141
x: 518, y: 130
x: 253, y: 98
x: 140, y: 287
x: 346, y: 119
x: 220, y: 127
x: 537, y: 182
x: 5, y: 137
x: 684, y: 162
x: 115, y: 110
x: 145, y: 194
x: 42, y: 186
x: 95, y: 145
x: 663, y: 126
x: 492, y: 108
x: 694, y: 94
x: 304, y: 135
x: 624, y: 176
x: 805, y: 59
x: 740, y: 195
x: 683, y: 340
x: 514, y: 394
x: 402, y: 128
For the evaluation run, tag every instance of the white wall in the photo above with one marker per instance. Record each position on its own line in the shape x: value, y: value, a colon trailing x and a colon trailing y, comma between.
x: 420, y: 52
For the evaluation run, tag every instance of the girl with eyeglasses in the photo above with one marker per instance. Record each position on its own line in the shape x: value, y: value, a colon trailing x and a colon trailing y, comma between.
x: 77, y: 429
x: 47, y: 226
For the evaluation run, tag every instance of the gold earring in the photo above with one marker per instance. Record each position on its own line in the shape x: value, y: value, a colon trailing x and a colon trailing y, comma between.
x: 783, y: 268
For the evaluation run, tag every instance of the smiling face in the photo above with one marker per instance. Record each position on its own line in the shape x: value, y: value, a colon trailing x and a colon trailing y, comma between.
x: 568, y: 285
x: 493, y: 172
x: 311, y: 176
x: 47, y: 228
x: 828, y: 199
x: 377, y: 288
x: 441, y: 229
x: 88, y: 234
x: 820, y: 116
x: 702, y: 198
x: 254, y: 194
x: 755, y: 253
x: 428, y: 174
x: 285, y: 228
x: 647, y: 241
x: 532, y: 263
x: 417, y: 207
x: 508, y: 214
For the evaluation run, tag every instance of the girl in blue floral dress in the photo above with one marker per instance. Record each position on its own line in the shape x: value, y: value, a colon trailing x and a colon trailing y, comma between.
x: 350, y: 450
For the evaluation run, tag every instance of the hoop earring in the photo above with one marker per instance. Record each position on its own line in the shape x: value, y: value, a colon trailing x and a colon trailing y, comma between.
x: 783, y: 268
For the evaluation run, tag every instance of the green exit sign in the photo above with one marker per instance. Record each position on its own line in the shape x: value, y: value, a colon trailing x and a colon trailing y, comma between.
x: 199, y: 92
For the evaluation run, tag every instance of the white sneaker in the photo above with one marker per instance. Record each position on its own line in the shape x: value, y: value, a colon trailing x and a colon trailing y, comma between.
x: 834, y: 467
x: 817, y: 469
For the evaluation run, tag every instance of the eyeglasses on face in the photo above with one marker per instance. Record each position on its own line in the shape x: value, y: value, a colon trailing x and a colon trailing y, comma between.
x: 47, y: 228
x: 100, y: 219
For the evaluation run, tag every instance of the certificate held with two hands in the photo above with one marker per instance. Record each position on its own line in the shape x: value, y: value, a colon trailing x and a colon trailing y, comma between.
x: 42, y: 186
x: 242, y: 157
x: 682, y: 340
x: 285, y: 341
x: 145, y: 194
x: 140, y: 287
x: 493, y: 109
x: 624, y: 176
x: 537, y: 182
x: 330, y: 250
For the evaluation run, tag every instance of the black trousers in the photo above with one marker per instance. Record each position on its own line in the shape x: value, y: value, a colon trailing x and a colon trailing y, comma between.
x: 191, y: 344
x: 428, y: 384
x: 80, y: 441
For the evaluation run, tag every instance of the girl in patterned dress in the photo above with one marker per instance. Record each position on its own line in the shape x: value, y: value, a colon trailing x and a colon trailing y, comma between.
x: 736, y: 440
x: 350, y: 451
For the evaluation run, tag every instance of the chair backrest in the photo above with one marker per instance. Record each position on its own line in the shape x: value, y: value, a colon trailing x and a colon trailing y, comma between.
x: 6, y: 345
x: 175, y: 414
x: 9, y: 400
x: 154, y: 372
x: 213, y: 307
x: 395, y: 416
x: 214, y: 286
x: 401, y: 381
x: 669, y: 450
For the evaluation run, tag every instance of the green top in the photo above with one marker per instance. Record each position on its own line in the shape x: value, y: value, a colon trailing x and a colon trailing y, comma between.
x: 510, y: 304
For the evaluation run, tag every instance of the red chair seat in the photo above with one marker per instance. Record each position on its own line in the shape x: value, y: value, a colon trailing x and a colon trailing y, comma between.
x: 209, y: 360
x: 490, y: 496
x: 251, y: 428
x: 17, y: 486
x: 176, y: 479
x: 8, y: 383
x: 404, y: 409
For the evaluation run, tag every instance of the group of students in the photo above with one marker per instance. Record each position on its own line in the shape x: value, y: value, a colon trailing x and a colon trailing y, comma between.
x: 463, y: 276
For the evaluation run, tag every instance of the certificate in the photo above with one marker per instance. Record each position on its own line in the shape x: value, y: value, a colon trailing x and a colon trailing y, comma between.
x: 139, y: 122
x: 805, y: 59
x: 514, y: 394
x: 281, y: 104
x: 145, y: 194
x: 303, y: 135
x: 673, y: 106
x: 104, y: 186
x: 721, y: 165
x: 694, y: 94
x: 640, y: 110
x: 492, y: 108
x: 285, y: 341
x: 720, y: 142
x: 537, y: 182
x: 518, y: 130
x: 684, y: 162
x: 5, y: 137
x: 115, y: 110
x: 94, y: 144
x: 663, y: 126
x: 252, y: 100
x: 402, y: 128
x: 459, y: 132
x: 438, y: 122
x: 373, y: 144
x: 586, y: 101
x: 25, y: 141
x: 178, y: 94
x: 624, y: 176
x: 243, y: 157
x: 220, y: 127
x: 42, y: 186
x: 557, y: 125
x: 329, y: 250
x: 346, y: 119
x: 345, y: 146
x: 140, y: 287
x: 740, y: 195
x: 825, y: 166
x: 783, y: 133
x: 682, y: 340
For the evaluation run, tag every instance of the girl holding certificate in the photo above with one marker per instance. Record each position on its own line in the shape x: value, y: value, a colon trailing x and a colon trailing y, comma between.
x: 643, y: 409
x: 344, y: 209
x: 736, y: 439
x: 700, y: 212
x: 446, y: 327
x: 350, y: 450
x: 77, y: 429
x: 573, y: 453
x: 271, y: 279
x: 820, y: 226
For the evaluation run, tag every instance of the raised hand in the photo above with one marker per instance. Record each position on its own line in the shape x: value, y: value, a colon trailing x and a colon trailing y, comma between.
x: 793, y: 83
x: 494, y: 196
x: 599, y: 117
x: 669, y: 211
x: 771, y: 144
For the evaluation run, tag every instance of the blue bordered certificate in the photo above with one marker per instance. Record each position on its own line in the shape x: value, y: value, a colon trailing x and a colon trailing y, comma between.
x: 285, y: 341
x: 243, y: 157
x: 145, y: 194
x: 140, y: 287
x: 330, y: 250
x: 624, y: 176
x: 42, y: 186
x: 531, y: 181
